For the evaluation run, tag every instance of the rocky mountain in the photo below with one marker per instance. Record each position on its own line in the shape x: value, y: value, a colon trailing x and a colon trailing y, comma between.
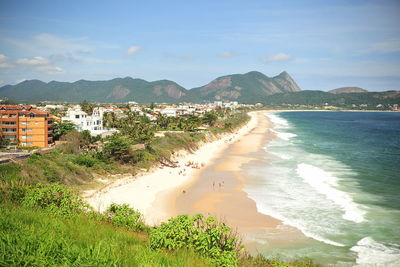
x: 251, y: 87
x: 346, y: 90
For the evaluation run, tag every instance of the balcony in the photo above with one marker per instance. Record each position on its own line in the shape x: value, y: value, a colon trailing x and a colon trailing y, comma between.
x: 9, y: 124
x: 9, y: 130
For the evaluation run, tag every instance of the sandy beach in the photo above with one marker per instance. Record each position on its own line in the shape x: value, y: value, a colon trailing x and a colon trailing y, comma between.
x: 147, y: 192
x: 218, y: 190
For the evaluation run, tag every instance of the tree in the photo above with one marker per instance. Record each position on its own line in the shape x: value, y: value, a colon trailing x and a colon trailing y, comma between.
x: 210, y: 118
x: 110, y: 120
x: 3, y: 141
x: 87, y: 107
x: 63, y: 128
x: 118, y: 148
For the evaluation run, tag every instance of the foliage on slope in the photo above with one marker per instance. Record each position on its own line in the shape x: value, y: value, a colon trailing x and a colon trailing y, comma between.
x: 49, y: 225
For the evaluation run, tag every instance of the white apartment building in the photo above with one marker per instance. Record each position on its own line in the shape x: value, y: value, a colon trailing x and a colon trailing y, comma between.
x: 83, y: 121
x: 168, y: 112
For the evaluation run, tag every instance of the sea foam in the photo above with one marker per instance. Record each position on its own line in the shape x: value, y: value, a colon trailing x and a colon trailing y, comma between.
x: 284, y: 136
x: 325, y: 183
x: 372, y: 253
x: 277, y: 121
x: 297, y: 225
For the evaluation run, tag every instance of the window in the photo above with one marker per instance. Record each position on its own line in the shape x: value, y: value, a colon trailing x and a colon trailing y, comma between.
x: 10, y: 137
x: 22, y: 115
x: 8, y: 122
x: 9, y: 130
x: 76, y: 116
x: 32, y: 115
x: 26, y: 143
x: 26, y: 136
x: 26, y: 122
x: 26, y: 130
x: 13, y: 115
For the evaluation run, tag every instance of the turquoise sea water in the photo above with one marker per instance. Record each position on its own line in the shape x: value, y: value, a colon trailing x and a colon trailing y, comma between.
x: 336, y: 177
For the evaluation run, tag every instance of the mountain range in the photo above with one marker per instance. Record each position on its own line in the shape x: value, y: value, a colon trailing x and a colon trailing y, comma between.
x: 251, y: 87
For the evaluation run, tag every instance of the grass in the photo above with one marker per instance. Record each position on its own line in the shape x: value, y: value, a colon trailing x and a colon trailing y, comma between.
x: 33, y: 237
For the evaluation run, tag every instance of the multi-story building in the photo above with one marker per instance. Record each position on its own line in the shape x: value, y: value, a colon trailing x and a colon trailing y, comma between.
x: 82, y: 120
x: 93, y: 123
x: 25, y: 126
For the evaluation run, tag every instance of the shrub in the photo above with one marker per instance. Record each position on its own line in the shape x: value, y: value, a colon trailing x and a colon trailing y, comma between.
x: 205, y: 235
x: 123, y: 215
x: 56, y: 198
x: 52, y: 175
x: 85, y: 161
x: 118, y: 148
x: 10, y: 171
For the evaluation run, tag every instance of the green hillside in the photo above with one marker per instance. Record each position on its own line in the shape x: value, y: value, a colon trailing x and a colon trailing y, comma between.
x: 115, y: 90
x: 245, y: 88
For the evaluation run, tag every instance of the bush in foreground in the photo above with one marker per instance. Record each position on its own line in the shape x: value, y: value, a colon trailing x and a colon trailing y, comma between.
x: 205, y: 235
x: 55, y: 198
x: 123, y: 215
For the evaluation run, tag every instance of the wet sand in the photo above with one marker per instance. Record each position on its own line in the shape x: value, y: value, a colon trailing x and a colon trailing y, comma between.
x: 218, y: 191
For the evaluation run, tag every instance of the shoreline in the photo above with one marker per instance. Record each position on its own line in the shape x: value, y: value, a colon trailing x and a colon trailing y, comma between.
x: 218, y: 190
x: 142, y: 192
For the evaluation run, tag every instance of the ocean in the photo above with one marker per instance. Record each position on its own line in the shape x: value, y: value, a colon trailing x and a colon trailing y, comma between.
x: 335, y: 176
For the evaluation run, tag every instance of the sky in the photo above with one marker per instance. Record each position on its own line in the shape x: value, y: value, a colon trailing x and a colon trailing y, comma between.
x: 322, y: 44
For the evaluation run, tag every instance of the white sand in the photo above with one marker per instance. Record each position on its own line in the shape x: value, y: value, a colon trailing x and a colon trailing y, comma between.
x: 140, y: 193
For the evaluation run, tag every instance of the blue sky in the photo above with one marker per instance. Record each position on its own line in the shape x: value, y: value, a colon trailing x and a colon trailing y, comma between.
x: 322, y: 44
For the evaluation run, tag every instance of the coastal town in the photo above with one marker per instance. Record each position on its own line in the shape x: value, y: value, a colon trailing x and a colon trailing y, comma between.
x: 29, y: 128
x: 200, y: 133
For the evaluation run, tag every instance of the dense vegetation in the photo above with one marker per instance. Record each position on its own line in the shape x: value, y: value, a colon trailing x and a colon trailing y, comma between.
x: 49, y: 225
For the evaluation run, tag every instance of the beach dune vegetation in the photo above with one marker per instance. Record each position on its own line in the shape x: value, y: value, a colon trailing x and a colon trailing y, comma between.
x: 206, y: 236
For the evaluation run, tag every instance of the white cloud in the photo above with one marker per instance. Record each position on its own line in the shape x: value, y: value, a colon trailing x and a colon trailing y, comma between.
x: 49, y: 69
x: 227, y: 54
x: 3, y: 58
x: 40, y: 64
x: 3, y: 62
x: 66, y: 49
x: 278, y: 57
x: 133, y: 50
x: 33, y: 61
x: 387, y: 46
x: 56, y: 43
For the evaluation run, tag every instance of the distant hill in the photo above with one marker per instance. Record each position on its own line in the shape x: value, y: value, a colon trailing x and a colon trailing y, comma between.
x: 115, y: 90
x: 320, y: 98
x: 251, y: 87
x: 345, y: 90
